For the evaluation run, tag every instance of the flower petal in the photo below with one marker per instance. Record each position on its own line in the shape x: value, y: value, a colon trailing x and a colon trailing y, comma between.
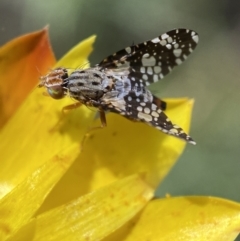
x: 20, y: 205
x: 184, y: 218
x: 122, y: 149
x: 91, y: 217
x: 38, y: 131
x: 125, y: 147
x: 21, y: 62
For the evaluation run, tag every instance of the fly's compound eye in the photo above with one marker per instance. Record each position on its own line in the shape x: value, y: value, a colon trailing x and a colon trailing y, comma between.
x: 56, y: 92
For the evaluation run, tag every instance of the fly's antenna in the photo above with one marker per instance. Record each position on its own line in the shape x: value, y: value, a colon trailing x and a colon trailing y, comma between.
x: 38, y: 70
x: 83, y: 65
x: 41, y: 77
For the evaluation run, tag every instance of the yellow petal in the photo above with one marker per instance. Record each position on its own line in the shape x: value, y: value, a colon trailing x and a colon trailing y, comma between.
x: 126, y: 147
x: 21, y: 62
x: 184, y: 218
x: 77, y: 56
x: 38, y: 131
x: 20, y: 205
x: 121, y: 149
x: 91, y: 217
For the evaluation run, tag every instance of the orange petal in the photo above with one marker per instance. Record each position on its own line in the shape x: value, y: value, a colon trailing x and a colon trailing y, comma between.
x: 93, y: 216
x: 184, y: 218
x: 21, y: 62
x: 21, y: 204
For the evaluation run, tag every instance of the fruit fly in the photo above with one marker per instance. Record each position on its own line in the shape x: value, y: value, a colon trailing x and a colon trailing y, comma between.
x: 119, y: 82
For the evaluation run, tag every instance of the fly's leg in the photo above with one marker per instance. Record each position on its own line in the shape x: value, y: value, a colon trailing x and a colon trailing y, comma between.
x: 65, y: 109
x: 103, y: 125
x: 102, y: 118
x: 71, y: 107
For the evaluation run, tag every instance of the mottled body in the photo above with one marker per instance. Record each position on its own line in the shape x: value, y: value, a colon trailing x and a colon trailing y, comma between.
x: 118, y: 83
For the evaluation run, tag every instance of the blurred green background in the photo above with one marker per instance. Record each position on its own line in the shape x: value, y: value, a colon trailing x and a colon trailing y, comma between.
x: 211, y: 75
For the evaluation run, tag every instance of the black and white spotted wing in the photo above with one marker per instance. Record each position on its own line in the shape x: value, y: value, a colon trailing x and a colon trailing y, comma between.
x: 150, y: 61
x: 152, y: 114
x: 147, y: 63
x: 138, y: 108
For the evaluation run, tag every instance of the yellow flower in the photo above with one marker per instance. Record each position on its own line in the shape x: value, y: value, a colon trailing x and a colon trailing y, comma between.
x: 54, y: 188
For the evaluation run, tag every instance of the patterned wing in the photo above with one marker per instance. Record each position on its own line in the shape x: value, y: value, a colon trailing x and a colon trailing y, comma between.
x: 150, y: 61
x: 148, y: 109
x: 152, y: 114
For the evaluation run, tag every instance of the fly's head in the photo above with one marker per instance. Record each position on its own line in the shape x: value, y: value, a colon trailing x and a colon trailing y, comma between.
x: 54, y: 82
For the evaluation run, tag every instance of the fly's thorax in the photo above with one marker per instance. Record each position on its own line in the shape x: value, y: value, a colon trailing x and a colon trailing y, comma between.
x: 89, y: 84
